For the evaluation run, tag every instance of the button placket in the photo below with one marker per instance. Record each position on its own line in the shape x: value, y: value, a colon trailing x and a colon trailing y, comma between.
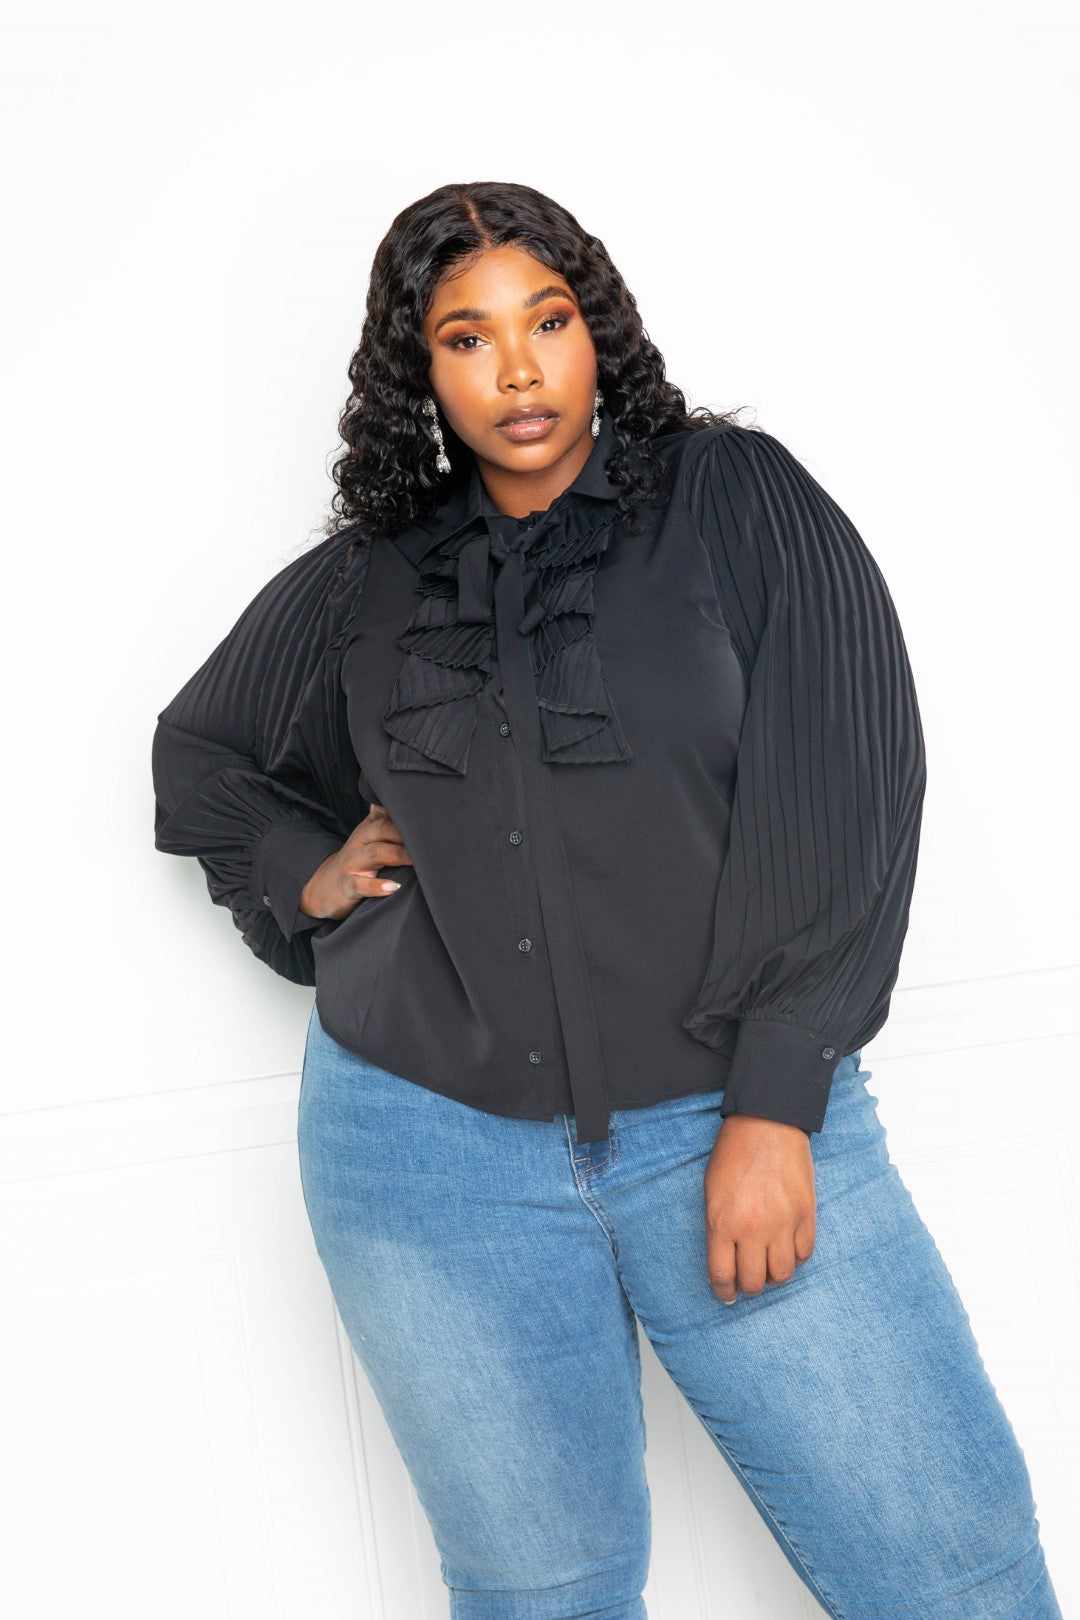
x: 522, y: 887
x: 565, y: 950
x: 516, y: 836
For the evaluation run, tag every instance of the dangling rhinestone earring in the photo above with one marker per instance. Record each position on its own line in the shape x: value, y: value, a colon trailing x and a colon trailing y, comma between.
x: 442, y: 460
x: 597, y: 402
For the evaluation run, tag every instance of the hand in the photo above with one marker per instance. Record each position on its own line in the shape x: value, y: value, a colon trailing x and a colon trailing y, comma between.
x: 349, y: 875
x: 760, y: 1204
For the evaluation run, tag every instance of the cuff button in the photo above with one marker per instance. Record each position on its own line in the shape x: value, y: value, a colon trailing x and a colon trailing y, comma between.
x: 828, y: 1051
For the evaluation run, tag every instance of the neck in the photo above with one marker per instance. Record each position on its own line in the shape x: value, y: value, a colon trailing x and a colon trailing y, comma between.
x: 518, y: 494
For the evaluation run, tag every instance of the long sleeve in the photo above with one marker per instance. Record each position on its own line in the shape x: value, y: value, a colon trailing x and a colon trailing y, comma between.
x: 814, y: 893
x: 240, y: 781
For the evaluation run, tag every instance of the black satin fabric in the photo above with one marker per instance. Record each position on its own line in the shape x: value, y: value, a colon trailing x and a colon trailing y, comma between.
x: 662, y: 789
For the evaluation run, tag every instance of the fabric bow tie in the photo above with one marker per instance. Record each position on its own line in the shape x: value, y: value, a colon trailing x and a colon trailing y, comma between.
x: 476, y: 592
x: 450, y: 650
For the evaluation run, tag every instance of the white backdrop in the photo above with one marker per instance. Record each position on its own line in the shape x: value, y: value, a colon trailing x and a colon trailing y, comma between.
x: 858, y: 223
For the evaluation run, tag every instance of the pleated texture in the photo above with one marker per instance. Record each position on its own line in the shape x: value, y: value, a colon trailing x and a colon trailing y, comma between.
x: 255, y: 773
x: 254, y: 740
x: 449, y: 644
x: 812, y: 906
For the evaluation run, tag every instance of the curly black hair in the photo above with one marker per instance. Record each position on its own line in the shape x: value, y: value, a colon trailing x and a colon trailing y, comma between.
x: 386, y: 476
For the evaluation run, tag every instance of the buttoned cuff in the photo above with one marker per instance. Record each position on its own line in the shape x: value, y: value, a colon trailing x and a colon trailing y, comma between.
x: 285, y: 857
x: 781, y: 1071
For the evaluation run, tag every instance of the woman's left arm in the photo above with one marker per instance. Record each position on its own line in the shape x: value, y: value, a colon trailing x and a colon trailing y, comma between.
x: 813, y: 898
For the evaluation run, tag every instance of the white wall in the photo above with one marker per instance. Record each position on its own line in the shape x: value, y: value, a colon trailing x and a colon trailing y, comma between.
x: 858, y: 222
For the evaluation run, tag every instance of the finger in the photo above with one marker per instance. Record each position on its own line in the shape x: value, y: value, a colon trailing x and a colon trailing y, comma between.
x: 722, y: 1269
x: 367, y: 883
x: 387, y: 833
x: 805, y: 1237
x: 752, y: 1261
x: 384, y: 852
x: 781, y: 1258
x: 388, y: 827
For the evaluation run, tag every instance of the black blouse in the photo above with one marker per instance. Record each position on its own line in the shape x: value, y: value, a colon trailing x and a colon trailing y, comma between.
x: 663, y: 790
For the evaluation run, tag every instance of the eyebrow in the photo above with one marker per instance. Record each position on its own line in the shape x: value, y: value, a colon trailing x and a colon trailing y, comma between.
x: 467, y: 313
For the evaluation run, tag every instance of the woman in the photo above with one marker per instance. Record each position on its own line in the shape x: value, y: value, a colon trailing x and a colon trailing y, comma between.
x: 580, y: 768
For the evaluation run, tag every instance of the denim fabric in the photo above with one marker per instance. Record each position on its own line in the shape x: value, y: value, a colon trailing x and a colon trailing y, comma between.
x: 491, y: 1273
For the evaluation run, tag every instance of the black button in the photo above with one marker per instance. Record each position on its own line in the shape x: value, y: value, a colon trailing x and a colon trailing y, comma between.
x: 266, y: 899
x: 828, y: 1051
x: 504, y: 728
x: 516, y: 836
x: 535, y: 1055
x: 525, y: 944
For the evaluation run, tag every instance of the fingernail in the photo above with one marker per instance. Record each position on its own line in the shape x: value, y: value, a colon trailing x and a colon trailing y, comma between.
x: 389, y: 884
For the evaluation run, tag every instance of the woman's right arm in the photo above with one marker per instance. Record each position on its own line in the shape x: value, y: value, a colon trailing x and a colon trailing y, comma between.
x: 234, y: 780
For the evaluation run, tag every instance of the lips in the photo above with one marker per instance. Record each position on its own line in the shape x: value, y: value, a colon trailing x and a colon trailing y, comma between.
x: 527, y: 429
x: 524, y: 416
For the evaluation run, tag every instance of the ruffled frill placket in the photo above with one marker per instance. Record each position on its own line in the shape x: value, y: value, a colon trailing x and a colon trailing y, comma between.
x: 449, y: 643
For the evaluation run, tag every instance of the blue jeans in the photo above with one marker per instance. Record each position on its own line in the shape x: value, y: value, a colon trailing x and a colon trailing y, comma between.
x: 491, y: 1273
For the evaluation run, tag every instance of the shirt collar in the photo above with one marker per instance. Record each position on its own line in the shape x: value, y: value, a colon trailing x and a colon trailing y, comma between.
x: 470, y: 501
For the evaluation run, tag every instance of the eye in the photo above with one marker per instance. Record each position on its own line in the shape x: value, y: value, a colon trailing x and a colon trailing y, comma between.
x: 474, y: 337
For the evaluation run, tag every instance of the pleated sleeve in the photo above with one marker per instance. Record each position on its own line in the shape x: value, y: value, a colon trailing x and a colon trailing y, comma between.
x: 814, y: 893
x: 239, y: 780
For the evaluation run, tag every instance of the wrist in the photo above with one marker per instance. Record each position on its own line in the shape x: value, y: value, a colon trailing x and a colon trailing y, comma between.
x: 310, y: 897
x: 765, y: 1119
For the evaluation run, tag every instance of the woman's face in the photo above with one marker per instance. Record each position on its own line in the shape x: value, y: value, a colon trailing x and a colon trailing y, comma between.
x: 506, y: 335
